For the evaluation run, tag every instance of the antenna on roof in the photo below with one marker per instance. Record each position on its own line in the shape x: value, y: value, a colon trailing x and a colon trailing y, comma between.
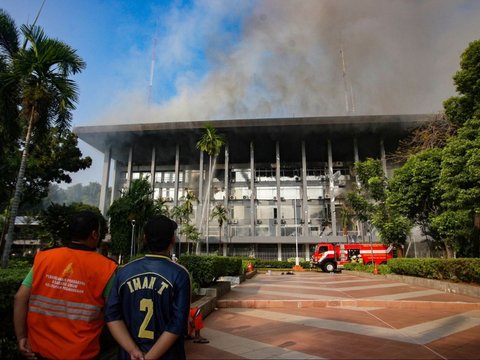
x: 152, y: 64
x: 349, y: 101
x: 38, y: 13
x: 35, y: 21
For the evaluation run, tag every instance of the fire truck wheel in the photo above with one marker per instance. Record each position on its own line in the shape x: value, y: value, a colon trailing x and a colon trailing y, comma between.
x: 329, y: 266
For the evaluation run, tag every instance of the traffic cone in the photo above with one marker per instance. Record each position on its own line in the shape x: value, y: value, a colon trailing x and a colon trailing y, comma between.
x: 249, y: 267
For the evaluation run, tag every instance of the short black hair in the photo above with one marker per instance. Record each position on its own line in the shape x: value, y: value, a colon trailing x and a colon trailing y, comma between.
x: 159, y: 231
x: 82, y: 224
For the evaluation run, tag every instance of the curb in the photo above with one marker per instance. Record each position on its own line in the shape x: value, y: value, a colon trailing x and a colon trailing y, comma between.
x: 445, y: 286
x: 297, y: 304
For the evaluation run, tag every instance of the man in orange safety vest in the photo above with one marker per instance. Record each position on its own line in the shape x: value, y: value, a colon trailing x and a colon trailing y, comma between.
x: 58, y: 309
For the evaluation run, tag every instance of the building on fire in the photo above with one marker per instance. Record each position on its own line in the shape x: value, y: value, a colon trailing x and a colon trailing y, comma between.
x: 283, y: 180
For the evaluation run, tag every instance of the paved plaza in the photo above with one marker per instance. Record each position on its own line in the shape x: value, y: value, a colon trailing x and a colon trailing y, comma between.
x: 312, y: 315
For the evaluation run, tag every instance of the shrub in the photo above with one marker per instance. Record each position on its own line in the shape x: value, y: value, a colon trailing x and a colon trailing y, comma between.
x: 459, y: 270
x: 206, y: 269
x: 10, y: 280
x: 382, y: 269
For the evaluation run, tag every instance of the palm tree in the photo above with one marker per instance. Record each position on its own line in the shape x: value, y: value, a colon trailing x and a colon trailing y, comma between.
x: 211, y: 142
x: 191, y: 233
x: 182, y: 212
x: 220, y: 213
x: 39, y: 74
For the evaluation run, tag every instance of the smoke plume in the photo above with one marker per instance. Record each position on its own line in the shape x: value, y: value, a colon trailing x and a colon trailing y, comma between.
x: 282, y: 58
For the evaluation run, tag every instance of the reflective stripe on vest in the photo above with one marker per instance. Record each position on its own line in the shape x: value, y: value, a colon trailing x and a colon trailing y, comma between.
x: 64, y: 309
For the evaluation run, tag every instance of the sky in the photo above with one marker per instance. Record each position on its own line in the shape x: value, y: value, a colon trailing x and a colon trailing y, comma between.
x: 173, y: 60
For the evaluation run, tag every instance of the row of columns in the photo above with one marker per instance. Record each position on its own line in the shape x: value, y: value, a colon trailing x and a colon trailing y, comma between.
x: 304, y: 211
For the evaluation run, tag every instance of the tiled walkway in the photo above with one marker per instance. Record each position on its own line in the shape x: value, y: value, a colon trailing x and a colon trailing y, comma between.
x: 339, y: 316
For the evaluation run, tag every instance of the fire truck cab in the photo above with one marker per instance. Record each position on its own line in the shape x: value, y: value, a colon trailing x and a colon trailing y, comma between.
x: 331, y: 256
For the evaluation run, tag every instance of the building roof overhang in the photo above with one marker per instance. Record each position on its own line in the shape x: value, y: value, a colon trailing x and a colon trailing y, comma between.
x: 103, y: 137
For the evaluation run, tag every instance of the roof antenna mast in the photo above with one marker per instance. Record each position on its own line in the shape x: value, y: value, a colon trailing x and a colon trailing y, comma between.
x: 35, y: 21
x: 152, y: 65
x: 349, y: 101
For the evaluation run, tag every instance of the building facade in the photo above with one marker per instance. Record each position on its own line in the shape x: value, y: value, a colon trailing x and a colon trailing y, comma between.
x: 283, y: 181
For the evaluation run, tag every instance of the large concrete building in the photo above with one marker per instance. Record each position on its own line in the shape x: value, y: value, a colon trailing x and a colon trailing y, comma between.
x: 283, y: 180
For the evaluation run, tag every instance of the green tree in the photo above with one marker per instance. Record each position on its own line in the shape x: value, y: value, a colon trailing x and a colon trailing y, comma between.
x: 369, y: 205
x: 191, y: 234
x: 211, y: 143
x: 371, y: 190
x: 135, y: 205
x: 467, y: 82
x: 182, y: 214
x: 460, y: 185
x: 160, y: 207
x: 392, y: 227
x: 39, y: 76
x: 55, y: 219
x: 413, y: 192
x: 459, y: 177
x: 220, y: 213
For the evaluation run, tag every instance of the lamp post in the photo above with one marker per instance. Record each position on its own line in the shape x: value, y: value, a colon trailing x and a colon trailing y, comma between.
x: 369, y: 223
x: 297, y: 262
x: 132, y: 242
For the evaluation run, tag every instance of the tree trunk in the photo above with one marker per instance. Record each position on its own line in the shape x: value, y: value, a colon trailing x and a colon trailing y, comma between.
x: 448, y: 250
x: 206, y: 202
x: 220, y: 241
x: 17, y: 195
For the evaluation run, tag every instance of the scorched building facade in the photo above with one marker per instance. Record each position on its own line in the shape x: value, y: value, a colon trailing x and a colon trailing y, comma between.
x: 283, y: 180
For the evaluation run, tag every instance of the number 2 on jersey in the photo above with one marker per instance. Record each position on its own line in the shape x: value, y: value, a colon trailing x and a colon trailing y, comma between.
x: 146, y: 305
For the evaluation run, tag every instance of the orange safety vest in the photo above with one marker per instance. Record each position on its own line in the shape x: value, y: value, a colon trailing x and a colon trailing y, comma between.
x: 65, y: 315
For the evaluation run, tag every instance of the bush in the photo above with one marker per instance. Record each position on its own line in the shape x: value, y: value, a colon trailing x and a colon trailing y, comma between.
x: 10, y: 280
x: 382, y: 269
x: 206, y: 269
x: 458, y: 270
x: 275, y: 264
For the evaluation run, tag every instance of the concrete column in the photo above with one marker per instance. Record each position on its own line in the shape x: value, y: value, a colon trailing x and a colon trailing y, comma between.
x: 129, y: 167
x: 279, y: 253
x: 279, y: 202
x: 304, y: 203
x: 177, y: 175
x: 307, y: 251
x: 331, y: 188
x: 383, y: 157
x: 226, y: 200
x: 113, y: 195
x: 152, y: 170
x: 253, y: 215
x: 105, y: 180
x: 227, y: 178
x: 198, y: 215
x: 356, y: 157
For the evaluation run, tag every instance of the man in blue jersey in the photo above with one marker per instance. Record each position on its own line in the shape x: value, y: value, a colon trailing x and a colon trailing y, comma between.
x: 147, y: 310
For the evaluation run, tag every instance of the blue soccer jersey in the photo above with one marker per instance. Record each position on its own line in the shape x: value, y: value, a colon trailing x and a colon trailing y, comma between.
x: 151, y: 295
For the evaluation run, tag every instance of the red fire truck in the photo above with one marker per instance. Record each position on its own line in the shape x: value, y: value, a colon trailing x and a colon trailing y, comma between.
x: 330, y: 256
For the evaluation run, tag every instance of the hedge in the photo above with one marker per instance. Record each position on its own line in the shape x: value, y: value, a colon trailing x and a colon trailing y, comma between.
x: 10, y: 280
x: 206, y: 269
x: 465, y: 270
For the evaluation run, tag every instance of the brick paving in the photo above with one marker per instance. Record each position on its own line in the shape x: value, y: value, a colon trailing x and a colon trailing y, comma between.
x: 313, y: 315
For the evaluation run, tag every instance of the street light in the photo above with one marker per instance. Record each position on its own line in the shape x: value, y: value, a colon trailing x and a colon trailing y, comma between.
x: 297, y: 262
x: 369, y: 223
x: 132, y: 243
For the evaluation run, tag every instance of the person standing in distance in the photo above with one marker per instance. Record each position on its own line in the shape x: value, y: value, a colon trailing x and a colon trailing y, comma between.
x: 148, y: 307
x: 58, y: 308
